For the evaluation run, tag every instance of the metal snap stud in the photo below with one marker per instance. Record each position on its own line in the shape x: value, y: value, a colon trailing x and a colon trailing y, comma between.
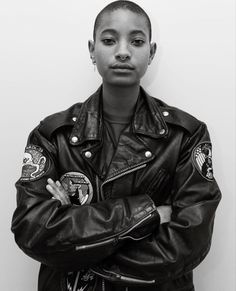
x: 162, y: 131
x: 88, y: 154
x: 165, y: 113
x: 148, y: 154
x: 74, y: 139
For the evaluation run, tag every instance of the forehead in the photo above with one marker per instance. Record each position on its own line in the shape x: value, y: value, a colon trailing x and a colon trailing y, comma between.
x: 123, y: 21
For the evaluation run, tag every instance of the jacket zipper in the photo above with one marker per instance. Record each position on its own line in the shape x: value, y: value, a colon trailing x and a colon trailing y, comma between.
x: 100, y: 197
x: 101, y: 243
x: 124, y: 278
x: 119, y: 176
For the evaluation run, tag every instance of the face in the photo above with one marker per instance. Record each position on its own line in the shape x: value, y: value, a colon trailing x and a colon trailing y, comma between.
x: 122, y: 50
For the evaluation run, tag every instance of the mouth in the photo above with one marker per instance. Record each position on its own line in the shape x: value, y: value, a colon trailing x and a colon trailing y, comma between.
x: 122, y: 67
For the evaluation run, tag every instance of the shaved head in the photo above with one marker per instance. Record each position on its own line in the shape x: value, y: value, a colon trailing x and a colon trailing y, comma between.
x: 126, y: 5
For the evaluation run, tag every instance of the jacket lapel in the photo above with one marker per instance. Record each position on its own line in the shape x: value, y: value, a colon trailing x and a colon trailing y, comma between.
x: 132, y: 151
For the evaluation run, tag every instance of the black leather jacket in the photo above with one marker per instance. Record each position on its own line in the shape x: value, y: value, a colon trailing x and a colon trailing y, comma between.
x: 163, y: 157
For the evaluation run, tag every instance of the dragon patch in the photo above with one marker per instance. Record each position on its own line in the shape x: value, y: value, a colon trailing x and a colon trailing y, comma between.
x: 202, y: 159
x: 35, y: 163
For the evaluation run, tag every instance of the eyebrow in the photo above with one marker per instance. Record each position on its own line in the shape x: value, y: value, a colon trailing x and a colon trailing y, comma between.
x: 132, y: 32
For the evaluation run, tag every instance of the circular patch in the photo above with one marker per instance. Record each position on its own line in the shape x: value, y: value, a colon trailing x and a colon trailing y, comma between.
x: 35, y: 163
x: 202, y: 158
x: 78, y: 186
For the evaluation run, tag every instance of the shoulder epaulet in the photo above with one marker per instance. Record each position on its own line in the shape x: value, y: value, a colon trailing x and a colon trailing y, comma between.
x: 179, y: 117
x: 59, y: 119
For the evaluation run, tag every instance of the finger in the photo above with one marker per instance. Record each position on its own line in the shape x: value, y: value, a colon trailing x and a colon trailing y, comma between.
x: 50, y: 181
x: 58, y: 191
x: 52, y: 184
x: 51, y: 190
x: 59, y: 186
x: 62, y: 193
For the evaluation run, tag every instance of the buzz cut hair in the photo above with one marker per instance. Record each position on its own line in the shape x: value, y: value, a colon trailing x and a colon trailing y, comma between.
x: 128, y: 5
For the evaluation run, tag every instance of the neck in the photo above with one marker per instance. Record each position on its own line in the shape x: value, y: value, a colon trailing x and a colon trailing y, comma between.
x: 120, y: 100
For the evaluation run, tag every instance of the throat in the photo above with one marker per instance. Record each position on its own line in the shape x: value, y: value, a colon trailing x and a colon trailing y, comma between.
x: 120, y: 102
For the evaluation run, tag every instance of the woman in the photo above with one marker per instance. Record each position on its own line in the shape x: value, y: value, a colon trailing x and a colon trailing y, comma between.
x: 131, y: 178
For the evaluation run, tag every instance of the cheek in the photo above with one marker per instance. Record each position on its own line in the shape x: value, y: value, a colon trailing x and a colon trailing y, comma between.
x: 143, y: 63
x: 102, y: 55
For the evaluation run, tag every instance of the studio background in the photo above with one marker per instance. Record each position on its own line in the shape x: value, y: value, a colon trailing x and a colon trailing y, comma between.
x: 45, y: 68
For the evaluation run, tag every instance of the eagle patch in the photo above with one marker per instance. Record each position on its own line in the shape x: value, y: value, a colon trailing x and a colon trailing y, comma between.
x: 78, y: 186
x: 35, y: 163
x: 202, y: 159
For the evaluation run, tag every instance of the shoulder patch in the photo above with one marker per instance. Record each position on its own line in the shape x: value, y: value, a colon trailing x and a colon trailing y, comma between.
x: 202, y: 160
x: 35, y: 163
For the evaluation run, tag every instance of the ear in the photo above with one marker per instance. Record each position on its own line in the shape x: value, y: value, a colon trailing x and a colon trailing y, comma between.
x: 91, y: 47
x: 153, y: 48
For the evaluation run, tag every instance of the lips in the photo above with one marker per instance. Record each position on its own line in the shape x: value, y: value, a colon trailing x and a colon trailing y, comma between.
x: 122, y: 67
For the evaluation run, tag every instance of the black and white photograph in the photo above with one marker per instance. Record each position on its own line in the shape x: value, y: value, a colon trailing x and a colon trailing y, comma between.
x: 118, y: 145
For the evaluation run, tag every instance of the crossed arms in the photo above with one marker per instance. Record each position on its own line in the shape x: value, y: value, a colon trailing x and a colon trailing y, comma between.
x: 130, y: 233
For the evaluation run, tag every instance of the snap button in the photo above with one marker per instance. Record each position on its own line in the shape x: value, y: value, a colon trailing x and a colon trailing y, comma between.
x: 88, y: 154
x: 74, y: 118
x: 162, y: 131
x: 165, y: 113
x: 74, y: 139
x: 148, y: 154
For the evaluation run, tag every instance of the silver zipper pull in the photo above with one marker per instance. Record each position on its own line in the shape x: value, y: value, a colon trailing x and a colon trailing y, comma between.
x: 103, y: 285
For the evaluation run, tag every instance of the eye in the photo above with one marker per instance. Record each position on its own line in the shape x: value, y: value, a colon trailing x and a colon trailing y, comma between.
x: 138, y: 42
x: 108, y: 41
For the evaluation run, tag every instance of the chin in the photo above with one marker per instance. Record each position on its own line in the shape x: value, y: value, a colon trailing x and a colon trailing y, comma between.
x: 124, y: 82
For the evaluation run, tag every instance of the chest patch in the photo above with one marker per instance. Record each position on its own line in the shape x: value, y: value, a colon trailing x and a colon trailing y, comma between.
x: 78, y: 186
x: 35, y: 163
x: 202, y: 159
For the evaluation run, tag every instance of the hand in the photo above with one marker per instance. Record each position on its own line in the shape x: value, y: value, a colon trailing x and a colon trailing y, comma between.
x: 57, y: 191
x: 165, y: 212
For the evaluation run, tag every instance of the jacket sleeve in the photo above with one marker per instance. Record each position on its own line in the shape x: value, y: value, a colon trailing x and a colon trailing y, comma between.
x: 71, y: 236
x: 180, y: 245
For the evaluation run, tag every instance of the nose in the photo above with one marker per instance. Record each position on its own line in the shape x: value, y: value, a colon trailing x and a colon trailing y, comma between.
x: 123, y: 53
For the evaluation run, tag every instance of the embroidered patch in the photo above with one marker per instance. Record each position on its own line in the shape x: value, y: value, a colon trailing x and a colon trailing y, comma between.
x: 35, y: 163
x: 78, y: 186
x: 202, y: 158
x: 80, y: 281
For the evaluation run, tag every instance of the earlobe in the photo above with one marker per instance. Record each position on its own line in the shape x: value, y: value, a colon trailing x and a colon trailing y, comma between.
x: 91, y: 50
x: 153, y: 48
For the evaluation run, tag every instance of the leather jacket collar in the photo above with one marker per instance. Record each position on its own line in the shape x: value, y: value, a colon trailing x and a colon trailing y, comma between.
x: 147, y: 118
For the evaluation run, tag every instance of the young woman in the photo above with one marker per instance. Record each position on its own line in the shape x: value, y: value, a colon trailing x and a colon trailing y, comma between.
x: 131, y: 178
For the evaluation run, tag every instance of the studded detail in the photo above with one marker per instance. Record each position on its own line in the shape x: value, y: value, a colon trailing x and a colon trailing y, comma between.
x: 165, y: 113
x: 74, y: 119
x: 74, y: 139
x: 88, y: 154
x: 162, y: 131
x: 148, y: 154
